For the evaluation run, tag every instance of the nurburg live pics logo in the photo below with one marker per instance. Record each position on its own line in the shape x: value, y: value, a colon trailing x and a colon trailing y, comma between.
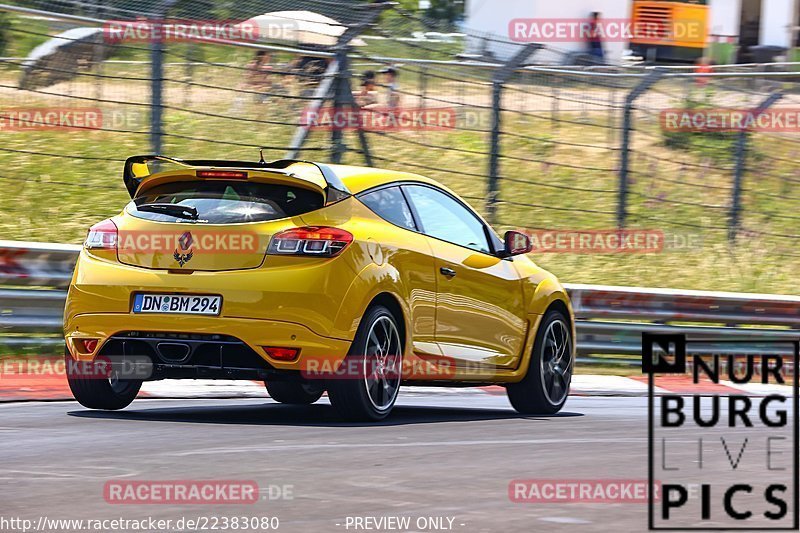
x: 725, y: 449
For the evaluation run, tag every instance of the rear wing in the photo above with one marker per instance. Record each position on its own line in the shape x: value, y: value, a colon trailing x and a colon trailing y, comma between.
x: 137, y: 168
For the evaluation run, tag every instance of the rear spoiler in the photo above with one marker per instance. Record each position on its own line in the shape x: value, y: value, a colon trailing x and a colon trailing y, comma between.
x: 133, y: 173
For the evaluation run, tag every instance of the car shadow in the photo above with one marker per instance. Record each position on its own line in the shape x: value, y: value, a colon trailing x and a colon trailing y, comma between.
x: 322, y: 415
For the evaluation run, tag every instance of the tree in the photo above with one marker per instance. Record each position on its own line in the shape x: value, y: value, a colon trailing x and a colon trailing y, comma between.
x: 445, y: 12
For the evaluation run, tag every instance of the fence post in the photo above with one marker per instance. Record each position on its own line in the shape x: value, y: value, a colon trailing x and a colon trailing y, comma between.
x: 624, y: 163
x: 494, y: 153
x: 612, y: 114
x: 500, y: 77
x: 739, y: 167
x: 343, y: 99
x: 157, y: 77
x: 322, y: 92
x: 555, y: 96
x: 156, y: 103
x: 341, y: 85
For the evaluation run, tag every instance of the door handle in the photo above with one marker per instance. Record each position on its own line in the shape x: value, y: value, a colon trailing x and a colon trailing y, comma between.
x: 449, y: 272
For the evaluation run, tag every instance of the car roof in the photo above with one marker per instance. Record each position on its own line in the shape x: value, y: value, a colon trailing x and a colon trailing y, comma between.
x: 359, y: 179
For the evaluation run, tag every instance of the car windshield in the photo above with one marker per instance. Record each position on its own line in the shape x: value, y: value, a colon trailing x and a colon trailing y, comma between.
x: 224, y: 201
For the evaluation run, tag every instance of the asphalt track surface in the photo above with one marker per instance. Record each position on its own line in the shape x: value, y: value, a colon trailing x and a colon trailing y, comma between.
x: 439, y: 455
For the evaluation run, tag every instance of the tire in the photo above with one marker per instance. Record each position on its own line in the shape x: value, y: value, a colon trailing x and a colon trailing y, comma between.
x: 293, y: 393
x: 97, y: 393
x: 544, y: 389
x: 369, y: 393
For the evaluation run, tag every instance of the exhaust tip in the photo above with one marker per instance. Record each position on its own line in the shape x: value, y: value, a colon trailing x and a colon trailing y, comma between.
x: 173, y: 352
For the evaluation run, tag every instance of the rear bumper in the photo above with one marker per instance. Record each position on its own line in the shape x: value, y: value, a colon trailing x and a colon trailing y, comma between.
x: 302, y: 291
x: 243, y: 336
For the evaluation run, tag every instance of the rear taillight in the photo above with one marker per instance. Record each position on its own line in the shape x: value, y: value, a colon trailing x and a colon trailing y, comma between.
x: 318, y: 241
x: 102, y: 236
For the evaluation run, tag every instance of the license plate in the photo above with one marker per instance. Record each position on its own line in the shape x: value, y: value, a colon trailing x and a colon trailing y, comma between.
x: 177, y: 304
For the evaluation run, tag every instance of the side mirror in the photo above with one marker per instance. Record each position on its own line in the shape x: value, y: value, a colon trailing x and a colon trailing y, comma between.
x: 517, y: 243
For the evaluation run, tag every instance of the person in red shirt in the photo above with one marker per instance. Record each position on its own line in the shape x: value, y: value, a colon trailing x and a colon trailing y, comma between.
x: 703, y: 67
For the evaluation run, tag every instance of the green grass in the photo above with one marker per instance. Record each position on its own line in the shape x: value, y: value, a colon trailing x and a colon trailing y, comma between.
x: 683, y: 191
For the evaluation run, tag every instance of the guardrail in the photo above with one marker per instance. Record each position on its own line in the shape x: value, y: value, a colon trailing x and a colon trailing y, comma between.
x: 609, y: 320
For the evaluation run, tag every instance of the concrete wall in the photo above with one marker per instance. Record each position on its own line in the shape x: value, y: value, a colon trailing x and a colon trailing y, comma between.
x: 724, y: 17
x: 776, y: 22
x: 493, y: 16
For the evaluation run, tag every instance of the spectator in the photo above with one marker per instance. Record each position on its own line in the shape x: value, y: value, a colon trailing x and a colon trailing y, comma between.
x: 392, y: 86
x: 703, y: 67
x: 256, y: 80
x: 259, y: 70
x: 595, y: 39
x: 368, y: 95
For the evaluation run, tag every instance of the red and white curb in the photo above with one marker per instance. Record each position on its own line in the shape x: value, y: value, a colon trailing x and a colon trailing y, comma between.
x: 54, y: 387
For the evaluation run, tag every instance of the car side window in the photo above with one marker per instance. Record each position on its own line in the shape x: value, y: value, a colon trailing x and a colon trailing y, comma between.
x: 390, y: 204
x: 445, y: 218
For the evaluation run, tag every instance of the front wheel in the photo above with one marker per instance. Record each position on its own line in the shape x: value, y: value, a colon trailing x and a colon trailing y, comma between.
x: 545, y: 387
x: 96, y: 389
x: 368, y: 388
x: 292, y: 393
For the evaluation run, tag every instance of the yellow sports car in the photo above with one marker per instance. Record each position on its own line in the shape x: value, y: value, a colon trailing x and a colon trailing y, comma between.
x: 311, y: 278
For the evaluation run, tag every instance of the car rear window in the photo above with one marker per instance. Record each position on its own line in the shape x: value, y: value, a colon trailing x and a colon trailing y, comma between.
x: 390, y: 205
x: 228, y: 202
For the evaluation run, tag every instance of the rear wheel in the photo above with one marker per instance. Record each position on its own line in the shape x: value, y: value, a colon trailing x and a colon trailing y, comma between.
x: 96, y: 391
x: 368, y: 389
x: 545, y: 388
x: 293, y: 393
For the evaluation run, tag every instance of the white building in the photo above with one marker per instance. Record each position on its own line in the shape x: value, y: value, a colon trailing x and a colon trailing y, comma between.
x: 741, y: 22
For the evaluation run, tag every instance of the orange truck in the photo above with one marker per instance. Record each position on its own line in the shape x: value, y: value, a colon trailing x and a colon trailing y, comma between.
x: 669, y: 31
